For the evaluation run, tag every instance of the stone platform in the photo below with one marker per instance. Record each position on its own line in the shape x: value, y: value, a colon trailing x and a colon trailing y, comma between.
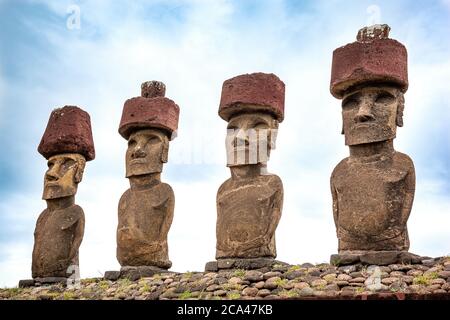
x: 429, y: 279
x: 245, y: 264
x: 133, y: 273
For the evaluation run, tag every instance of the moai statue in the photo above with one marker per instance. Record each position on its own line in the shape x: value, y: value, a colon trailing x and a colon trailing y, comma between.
x: 373, y: 188
x: 146, y: 209
x: 67, y: 144
x: 249, y: 204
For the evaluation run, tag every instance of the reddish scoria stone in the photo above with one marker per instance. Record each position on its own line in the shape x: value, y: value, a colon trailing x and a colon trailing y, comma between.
x: 380, y: 60
x: 155, y: 112
x: 252, y: 93
x: 68, y: 131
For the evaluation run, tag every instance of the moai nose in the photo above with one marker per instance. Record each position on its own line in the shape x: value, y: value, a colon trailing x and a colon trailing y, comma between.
x: 51, y: 175
x: 241, y: 138
x: 364, y: 113
x: 138, y: 152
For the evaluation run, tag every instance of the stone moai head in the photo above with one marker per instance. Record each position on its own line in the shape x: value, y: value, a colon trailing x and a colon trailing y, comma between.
x: 370, y: 76
x: 253, y: 106
x: 67, y: 144
x: 148, y: 123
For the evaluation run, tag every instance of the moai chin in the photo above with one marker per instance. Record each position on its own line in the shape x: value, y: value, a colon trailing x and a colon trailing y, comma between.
x: 146, y: 209
x: 373, y: 188
x: 249, y: 204
x: 67, y: 144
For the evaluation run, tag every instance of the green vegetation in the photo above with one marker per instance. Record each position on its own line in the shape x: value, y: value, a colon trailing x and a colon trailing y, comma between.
x: 239, y: 273
x: 281, y: 282
x: 425, y: 279
x: 104, y: 284
x: 289, y: 293
x: 186, y: 295
x: 11, y: 292
x: 294, y: 268
x: 69, y: 295
x: 233, y: 295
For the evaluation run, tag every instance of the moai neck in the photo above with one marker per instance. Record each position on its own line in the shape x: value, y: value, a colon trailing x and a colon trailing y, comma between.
x: 248, y: 171
x: 145, y: 181
x: 60, y: 203
x: 368, y: 150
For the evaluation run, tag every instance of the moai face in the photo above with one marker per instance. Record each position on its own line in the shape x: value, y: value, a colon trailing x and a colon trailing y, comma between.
x: 371, y: 114
x: 147, y: 152
x: 250, y: 137
x: 64, y: 173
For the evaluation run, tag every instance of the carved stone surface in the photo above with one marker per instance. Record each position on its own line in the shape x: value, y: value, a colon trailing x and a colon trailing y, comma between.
x: 252, y: 92
x: 146, y: 209
x: 60, y: 228
x: 374, y: 58
x: 68, y: 131
x: 372, y: 189
x: 249, y: 204
x: 246, y: 264
x: 151, y: 110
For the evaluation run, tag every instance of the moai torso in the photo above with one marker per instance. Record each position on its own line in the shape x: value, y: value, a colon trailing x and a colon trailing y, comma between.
x: 372, y: 189
x: 372, y: 202
x: 67, y: 144
x: 249, y: 204
x: 55, y: 241
x: 248, y: 212
x: 146, y: 209
x: 145, y: 217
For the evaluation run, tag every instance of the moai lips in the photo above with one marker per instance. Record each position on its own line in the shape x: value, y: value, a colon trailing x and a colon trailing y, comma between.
x: 372, y: 189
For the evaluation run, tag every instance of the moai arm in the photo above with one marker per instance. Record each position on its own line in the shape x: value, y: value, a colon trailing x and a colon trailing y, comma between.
x: 409, y: 196
x: 169, y: 205
x: 335, y: 201
x: 78, y: 235
x: 276, y: 204
x: 335, y: 204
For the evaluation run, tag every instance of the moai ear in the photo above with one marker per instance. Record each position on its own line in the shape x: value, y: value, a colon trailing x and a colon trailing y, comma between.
x: 81, y: 163
x: 342, y: 131
x: 273, y: 132
x: 400, y: 108
x: 165, y: 150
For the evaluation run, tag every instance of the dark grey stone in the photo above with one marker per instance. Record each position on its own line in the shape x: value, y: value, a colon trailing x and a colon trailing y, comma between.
x: 307, y: 265
x: 294, y: 274
x: 135, y: 273
x: 343, y: 259
x: 26, y: 283
x: 51, y: 280
x: 248, y: 264
x: 112, y: 275
x: 211, y: 266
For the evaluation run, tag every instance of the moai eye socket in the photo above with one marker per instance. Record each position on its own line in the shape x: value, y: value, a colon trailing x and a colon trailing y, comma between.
x: 131, y: 143
x: 349, y: 103
x: 384, y: 98
x: 50, y: 164
x: 153, y: 140
x: 67, y: 163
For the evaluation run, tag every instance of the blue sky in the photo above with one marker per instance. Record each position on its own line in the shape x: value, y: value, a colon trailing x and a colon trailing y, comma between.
x: 193, y: 46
